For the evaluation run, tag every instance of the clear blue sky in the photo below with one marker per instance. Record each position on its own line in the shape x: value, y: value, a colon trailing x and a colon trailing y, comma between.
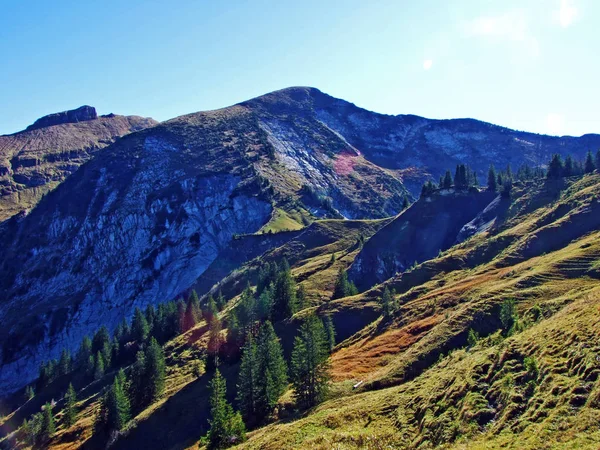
x: 531, y: 65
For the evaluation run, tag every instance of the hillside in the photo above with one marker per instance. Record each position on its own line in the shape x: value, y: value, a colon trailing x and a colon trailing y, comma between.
x: 423, y: 383
x: 34, y: 161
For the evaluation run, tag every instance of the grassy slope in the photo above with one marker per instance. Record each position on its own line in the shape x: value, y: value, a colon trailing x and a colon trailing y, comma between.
x: 421, y: 386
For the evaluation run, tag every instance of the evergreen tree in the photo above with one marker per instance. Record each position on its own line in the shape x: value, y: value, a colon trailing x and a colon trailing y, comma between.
x: 226, y: 427
x: 107, y: 355
x: 98, y: 366
x: 211, y: 309
x: 150, y: 314
x: 90, y: 366
x: 100, y: 338
x: 491, y: 183
x: 137, y: 388
x: 330, y: 331
x: 139, y: 327
x: 221, y: 302
x: 248, y: 380
x: 180, y: 307
x: 447, y: 181
x: 309, y: 363
x: 301, y: 297
x: 64, y: 364
x: 70, y: 410
x: 84, y: 352
x: 568, y: 169
x: 555, y: 168
x: 589, y: 163
x: 387, y: 303
x: 272, y: 370
x: 48, y: 427
x: 29, y: 392
x: 264, y: 306
x: 246, y: 312
x: 214, y: 342
x: 155, y: 370
x: 509, y: 174
x: 115, y: 411
x: 122, y: 332
x: 343, y: 287
x: 507, y: 188
x: 405, y: 202
x: 508, y: 315
x: 284, y: 301
x: 193, y: 313
x: 461, y: 180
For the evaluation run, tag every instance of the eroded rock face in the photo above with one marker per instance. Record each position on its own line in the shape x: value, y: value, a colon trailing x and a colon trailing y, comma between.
x: 80, y: 114
x: 130, y: 245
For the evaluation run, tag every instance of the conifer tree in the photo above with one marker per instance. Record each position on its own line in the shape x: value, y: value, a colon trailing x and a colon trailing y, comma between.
x: 272, y: 370
x: 447, y: 181
x: 155, y: 370
x: 555, y: 168
x: 70, y: 409
x: 90, y: 366
x: 309, y: 363
x: 107, y: 355
x: 137, y: 387
x: 589, y: 163
x: 387, y: 303
x: 264, y: 306
x: 301, y: 297
x: 226, y: 427
x: 150, y: 315
x: 48, y: 427
x: 100, y: 338
x: 247, y: 389
x: 98, y: 366
x: 221, y: 302
x: 491, y: 183
x: 405, y: 202
x: 115, y: 411
x: 84, y: 352
x: 343, y: 287
x: 122, y: 331
x: 246, y: 312
x: 285, y: 301
x: 64, y: 364
x: 330, y: 331
x: 214, y: 342
x: 211, y: 310
x: 568, y: 169
x: 139, y: 327
x: 29, y: 392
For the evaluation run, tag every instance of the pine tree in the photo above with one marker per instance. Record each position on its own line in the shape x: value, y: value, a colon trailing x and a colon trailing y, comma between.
x: 226, y: 427
x: 264, y: 306
x: 150, y: 315
x: 107, y: 355
x: 509, y: 174
x: 29, y: 392
x: 301, y: 297
x: 330, y: 331
x: 48, y: 427
x: 214, y: 342
x: 284, y: 301
x: 309, y: 363
x: 122, y: 331
x: 98, y: 366
x: 248, y: 379
x: 491, y: 183
x: 139, y: 327
x: 555, y: 168
x: 137, y: 388
x: 246, y: 311
x: 211, y: 310
x: 155, y: 370
x: 70, y: 410
x: 221, y: 302
x: 90, y: 366
x: 447, y: 181
x: 589, y: 163
x: 272, y: 370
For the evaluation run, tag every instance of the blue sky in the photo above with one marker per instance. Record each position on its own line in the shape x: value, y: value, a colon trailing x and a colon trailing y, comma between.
x: 530, y: 65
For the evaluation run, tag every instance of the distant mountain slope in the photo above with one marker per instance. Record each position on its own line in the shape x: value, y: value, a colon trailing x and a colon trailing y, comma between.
x: 37, y: 159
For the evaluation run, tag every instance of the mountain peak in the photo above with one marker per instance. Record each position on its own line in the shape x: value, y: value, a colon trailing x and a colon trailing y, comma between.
x: 81, y: 114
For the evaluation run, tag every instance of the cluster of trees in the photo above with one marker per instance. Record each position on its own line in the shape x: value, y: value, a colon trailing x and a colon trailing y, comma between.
x: 464, y: 178
x: 263, y: 378
x: 388, y: 303
x: 557, y: 168
x: 343, y: 287
x: 40, y: 427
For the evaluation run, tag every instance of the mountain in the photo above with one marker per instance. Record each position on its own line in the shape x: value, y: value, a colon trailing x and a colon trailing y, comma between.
x: 205, y: 200
x: 34, y: 161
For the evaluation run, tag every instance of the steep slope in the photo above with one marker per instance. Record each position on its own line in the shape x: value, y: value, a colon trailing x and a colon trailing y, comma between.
x: 139, y: 223
x: 34, y: 161
x: 415, y: 146
x: 419, y: 233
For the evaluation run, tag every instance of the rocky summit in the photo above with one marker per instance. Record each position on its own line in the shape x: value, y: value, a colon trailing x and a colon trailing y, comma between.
x: 446, y: 307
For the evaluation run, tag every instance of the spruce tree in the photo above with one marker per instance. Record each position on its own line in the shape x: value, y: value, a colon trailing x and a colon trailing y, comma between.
x: 447, y: 181
x: 405, y: 202
x: 221, y: 302
x: 264, y: 306
x: 301, y: 297
x: 48, y: 427
x: 284, y: 301
x: 155, y: 370
x: 118, y: 411
x: 330, y: 331
x: 309, y: 363
x: 491, y: 183
x: 107, y: 355
x: 122, y: 331
x: 64, y: 364
x: 98, y: 366
x: 211, y: 310
x: 70, y: 410
x: 568, y: 169
x: 139, y: 327
x: 342, y: 285
x: 589, y: 163
x: 150, y: 315
x: 84, y: 352
x: 272, y: 370
x: 387, y: 303
x: 247, y: 389
x: 555, y: 168
x: 100, y: 338
x: 226, y: 427
x: 138, y: 387
x: 214, y: 342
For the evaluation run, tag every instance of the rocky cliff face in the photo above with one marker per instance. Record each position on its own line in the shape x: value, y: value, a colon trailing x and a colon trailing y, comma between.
x: 36, y: 160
